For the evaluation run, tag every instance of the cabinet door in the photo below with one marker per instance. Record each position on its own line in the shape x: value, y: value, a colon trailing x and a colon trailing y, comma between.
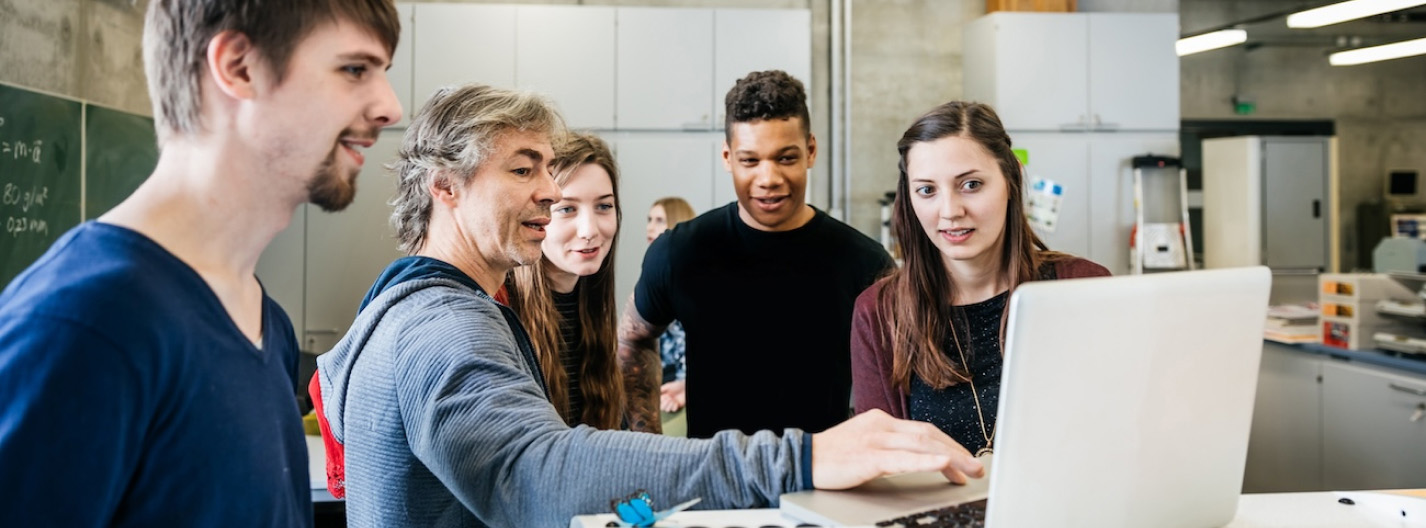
x: 1369, y: 440
x: 665, y: 69
x: 1285, y: 447
x: 567, y: 53
x: 1041, y: 71
x: 1133, y: 71
x: 346, y: 251
x: 401, y: 64
x: 1111, y: 192
x: 749, y: 40
x: 1063, y: 159
x: 1294, y: 203
x: 459, y: 43
x: 281, y: 271
x: 652, y: 166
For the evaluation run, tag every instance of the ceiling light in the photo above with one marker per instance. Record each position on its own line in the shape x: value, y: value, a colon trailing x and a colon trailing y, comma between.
x: 1210, y: 41
x: 1383, y: 52
x: 1344, y: 11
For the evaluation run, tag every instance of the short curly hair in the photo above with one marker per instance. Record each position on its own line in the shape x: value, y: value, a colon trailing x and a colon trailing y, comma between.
x: 771, y: 94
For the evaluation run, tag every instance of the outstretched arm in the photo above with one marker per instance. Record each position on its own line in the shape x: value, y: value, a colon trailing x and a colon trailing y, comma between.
x: 639, y: 362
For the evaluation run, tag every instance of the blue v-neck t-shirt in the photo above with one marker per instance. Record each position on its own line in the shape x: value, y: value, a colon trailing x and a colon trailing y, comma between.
x: 129, y: 397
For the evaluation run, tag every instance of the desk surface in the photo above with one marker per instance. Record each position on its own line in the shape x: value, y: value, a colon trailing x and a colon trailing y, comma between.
x: 1371, y: 357
x: 1259, y: 510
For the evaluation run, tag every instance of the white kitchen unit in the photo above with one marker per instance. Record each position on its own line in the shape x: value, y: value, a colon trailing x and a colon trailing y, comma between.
x: 1075, y: 71
x: 1083, y: 94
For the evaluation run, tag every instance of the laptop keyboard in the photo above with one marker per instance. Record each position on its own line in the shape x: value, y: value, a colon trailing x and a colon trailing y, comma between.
x: 967, y: 515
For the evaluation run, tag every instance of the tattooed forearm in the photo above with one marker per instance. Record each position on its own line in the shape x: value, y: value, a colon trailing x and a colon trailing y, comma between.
x: 639, y: 362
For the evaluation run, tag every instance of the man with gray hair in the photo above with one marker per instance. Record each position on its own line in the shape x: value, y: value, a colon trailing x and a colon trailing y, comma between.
x: 146, y: 379
x: 437, y: 395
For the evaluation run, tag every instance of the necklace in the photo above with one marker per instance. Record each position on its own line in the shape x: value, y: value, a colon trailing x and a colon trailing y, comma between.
x: 975, y: 395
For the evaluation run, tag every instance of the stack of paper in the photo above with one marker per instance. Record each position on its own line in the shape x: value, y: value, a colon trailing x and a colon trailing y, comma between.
x: 1292, y: 323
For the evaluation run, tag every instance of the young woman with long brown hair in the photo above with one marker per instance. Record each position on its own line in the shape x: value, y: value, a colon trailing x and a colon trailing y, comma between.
x: 927, y: 340
x: 566, y: 300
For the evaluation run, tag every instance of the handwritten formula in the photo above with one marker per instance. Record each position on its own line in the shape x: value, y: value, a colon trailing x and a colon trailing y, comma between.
x: 21, y: 205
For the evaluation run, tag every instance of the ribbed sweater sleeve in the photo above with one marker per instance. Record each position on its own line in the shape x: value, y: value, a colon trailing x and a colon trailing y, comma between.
x: 475, y: 416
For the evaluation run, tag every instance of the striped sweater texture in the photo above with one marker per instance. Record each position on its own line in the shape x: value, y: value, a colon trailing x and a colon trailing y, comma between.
x: 446, y: 424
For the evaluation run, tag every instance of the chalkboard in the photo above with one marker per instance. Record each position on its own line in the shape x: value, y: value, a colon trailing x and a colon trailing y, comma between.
x: 120, y: 151
x: 39, y: 175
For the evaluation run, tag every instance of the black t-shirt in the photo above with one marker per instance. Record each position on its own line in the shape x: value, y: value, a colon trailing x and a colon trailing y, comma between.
x: 767, y: 316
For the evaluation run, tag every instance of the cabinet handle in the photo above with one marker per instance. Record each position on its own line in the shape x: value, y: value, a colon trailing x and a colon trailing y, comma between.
x: 323, y: 331
x: 1408, y: 390
x: 1317, y: 208
x: 1078, y: 125
x: 1101, y: 125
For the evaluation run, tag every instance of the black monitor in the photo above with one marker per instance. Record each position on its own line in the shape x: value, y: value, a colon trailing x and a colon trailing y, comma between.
x: 1401, y: 184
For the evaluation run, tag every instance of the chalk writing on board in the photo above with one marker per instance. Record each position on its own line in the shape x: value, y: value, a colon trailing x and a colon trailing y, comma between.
x: 21, y: 151
x: 25, y: 199
x: 16, y: 197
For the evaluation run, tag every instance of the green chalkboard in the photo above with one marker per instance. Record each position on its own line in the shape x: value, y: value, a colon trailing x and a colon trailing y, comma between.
x: 39, y: 174
x: 120, y: 151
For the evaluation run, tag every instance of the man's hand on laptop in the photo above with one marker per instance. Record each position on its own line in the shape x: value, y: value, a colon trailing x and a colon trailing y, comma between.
x: 873, y: 444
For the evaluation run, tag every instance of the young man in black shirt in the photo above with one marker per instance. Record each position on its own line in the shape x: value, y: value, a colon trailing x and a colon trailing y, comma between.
x: 764, y: 286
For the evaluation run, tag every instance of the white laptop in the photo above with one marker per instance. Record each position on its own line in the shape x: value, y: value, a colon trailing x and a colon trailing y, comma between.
x: 1124, y: 402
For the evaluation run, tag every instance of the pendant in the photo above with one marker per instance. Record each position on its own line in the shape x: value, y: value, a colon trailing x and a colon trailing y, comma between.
x: 983, y: 451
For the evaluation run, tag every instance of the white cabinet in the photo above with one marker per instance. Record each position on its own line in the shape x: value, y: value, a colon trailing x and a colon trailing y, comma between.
x: 401, y: 65
x: 1032, y: 67
x: 1285, y: 447
x: 1265, y: 202
x: 1097, y: 210
x: 1133, y: 71
x: 652, y: 166
x: 606, y: 68
x: 1374, y: 436
x: 462, y: 43
x: 665, y: 73
x: 1064, y: 159
x: 1075, y: 71
x: 749, y: 40
x: 319, y: 269
x: 567, y: 53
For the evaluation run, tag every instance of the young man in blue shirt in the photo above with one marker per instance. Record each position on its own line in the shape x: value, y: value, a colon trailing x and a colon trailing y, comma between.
x: 146, y: 379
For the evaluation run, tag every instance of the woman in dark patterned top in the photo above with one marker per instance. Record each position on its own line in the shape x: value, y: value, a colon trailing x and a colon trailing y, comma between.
x: 566, y: 300
x: 666, y: 213
x: 926, y: 340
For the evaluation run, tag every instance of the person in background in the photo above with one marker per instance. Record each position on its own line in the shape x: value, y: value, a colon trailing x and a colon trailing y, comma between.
x: 927, y: 340
x: 566, y: 299
x: 667, y: 213
x: 764, y: 286
x: 437, y: 394
x: 146, y: 378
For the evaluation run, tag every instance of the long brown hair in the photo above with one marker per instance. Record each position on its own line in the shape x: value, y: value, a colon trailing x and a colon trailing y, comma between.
x: 916, y: 299
x: 531, y: 296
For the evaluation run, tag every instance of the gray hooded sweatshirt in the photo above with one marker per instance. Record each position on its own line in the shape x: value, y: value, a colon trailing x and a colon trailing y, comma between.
x: 437, y: 396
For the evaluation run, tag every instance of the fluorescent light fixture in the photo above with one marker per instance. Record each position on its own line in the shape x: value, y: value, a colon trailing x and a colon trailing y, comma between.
x: 1383, y: 52
x: 1210, y: 41
x: 1344, y: 11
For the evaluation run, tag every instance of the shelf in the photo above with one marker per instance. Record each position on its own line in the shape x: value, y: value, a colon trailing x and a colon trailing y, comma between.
x: 1400, y: 309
